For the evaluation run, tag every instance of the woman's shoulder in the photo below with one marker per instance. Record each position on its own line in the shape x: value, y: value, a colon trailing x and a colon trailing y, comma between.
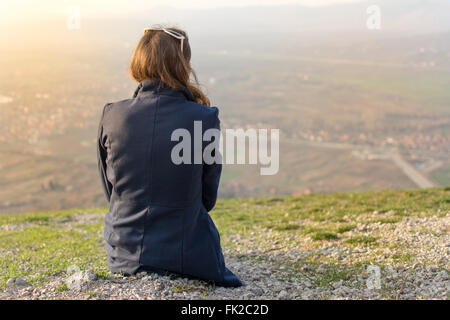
x: 202, y: 110
x: 190, y: 110
x: 112, y: 105
x: 209, y: 115
x: 119, y: 107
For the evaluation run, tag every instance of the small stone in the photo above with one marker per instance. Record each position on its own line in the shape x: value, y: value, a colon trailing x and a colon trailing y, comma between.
x: 80, y: 279
x: 321, y: 269
x: 257, y: 291
x: 11, y: 282
x: 282, y: 295
x: 337, y: 284
x: 305, y: 268
x: 17, y: 282
x: 431, y: 269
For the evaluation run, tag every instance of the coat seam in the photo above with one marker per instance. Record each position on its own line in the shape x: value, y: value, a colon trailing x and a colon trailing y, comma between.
x: 148, y: 180
x: 147, y: 212
x: 149, y: 170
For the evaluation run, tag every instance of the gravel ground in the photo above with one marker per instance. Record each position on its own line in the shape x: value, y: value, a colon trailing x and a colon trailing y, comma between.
x: 408, y: 259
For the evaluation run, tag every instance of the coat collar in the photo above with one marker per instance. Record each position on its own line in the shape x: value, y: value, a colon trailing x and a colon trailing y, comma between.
x: 159, y: 87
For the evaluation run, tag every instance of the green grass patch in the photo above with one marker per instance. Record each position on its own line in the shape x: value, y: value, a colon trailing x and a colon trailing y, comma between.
x: 62, y: 287
x: 388, y: 220
x: 331, y: 275
x: 403, y: 258
x: 324, y: 236
x: 364, y: 240
x: 42, y: 251
x: 45, y: 217
x: 287, y: 227
x: 346, y: 228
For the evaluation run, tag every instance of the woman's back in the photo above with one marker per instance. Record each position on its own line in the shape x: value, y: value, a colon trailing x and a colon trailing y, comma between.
x: 158, y: 219
x: 140, y: 136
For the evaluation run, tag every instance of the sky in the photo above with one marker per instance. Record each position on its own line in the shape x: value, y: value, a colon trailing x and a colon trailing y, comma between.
x: 20, y: 19
x: 23, y: 10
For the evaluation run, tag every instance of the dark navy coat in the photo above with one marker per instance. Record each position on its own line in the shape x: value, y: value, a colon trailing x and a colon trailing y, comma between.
x: 158, y: 218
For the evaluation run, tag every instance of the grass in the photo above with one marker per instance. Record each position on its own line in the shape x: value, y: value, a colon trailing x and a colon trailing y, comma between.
x: 62, y: 287
x: 332, y: 274
x: 185, y: 287
x: 389, y: 220
x: 324, y: 236
x: 41, y: 245
x: 345, y: 228
x: 404, y: 258
x: 327, y: 208
x: 361, y: 240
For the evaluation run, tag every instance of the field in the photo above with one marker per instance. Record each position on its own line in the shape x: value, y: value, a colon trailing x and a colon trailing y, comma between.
x: 372, y: 97
x: 320, y: 246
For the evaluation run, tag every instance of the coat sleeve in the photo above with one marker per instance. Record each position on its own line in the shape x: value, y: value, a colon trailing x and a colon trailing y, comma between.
x: 211, y: 175
x: 101, y: 159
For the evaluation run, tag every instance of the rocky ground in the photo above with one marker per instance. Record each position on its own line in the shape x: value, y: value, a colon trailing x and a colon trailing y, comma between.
x: 372, y: 255
x: 277, y: 273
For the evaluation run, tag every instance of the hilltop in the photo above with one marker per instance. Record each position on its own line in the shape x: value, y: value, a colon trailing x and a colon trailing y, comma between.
x: 319, y: 246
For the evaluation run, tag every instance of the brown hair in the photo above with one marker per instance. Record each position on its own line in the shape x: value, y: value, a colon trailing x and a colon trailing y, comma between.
x: 158, y: 56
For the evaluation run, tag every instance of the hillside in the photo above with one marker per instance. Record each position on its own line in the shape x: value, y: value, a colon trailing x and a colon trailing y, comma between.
x: 345, y: 104
x: 308, y: 247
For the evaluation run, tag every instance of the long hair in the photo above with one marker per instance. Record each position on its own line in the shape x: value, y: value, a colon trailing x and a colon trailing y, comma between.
x: 158, y: 56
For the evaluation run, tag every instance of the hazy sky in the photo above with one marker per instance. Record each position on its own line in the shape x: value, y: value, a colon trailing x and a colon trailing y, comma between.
x: 22, y: 10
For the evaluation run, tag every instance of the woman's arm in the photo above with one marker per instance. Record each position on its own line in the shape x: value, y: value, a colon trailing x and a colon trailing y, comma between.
x: 211, y: 174
x: 101, y: 159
